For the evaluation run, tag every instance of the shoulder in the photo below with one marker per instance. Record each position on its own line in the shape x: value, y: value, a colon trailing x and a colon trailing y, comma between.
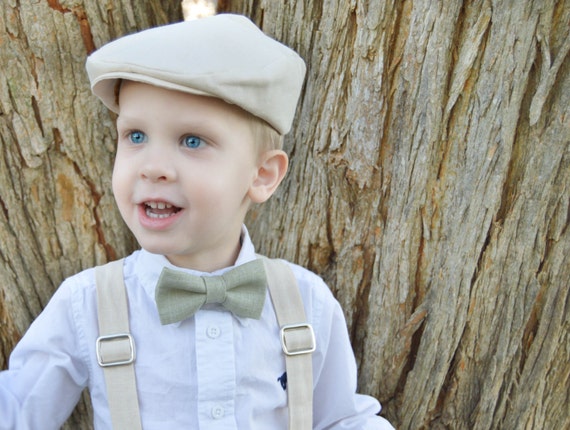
x: 319, y: 301
x: 82, y: 286
x: 306, y: 277
x: 308, y: 281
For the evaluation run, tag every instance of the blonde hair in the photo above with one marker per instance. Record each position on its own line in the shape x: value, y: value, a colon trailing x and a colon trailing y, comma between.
x: 266, y: 138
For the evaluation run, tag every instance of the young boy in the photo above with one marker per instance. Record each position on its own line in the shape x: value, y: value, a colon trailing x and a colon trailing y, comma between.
x: 202, y: 107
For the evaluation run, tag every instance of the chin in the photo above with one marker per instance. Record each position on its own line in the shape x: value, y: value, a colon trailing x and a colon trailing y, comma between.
x: 155, y: 248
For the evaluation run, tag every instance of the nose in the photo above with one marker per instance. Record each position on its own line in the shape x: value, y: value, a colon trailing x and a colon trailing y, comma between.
x: 158, y: 165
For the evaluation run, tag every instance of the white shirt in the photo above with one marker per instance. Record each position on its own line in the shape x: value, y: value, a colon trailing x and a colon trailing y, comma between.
x: 211, y: 371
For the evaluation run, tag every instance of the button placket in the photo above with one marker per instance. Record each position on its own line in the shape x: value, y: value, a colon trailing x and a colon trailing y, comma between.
x: 215, y: 366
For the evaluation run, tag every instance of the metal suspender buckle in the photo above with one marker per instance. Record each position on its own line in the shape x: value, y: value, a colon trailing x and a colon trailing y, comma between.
x: 115, y: 350
x: 297, y: 339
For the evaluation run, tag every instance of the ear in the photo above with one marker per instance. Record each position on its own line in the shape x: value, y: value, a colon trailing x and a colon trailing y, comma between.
x: 271, y: 170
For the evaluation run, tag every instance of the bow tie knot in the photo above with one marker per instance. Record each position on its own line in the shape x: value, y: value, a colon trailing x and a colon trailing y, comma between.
x: 241, y: 290
x: 215, y: 288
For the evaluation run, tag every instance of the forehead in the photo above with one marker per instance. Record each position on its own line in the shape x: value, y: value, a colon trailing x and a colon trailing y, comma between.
x: 137, y: 92
x: 181, y: 112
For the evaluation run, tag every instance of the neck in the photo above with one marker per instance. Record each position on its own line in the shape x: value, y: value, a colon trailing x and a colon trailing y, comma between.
x: 208, y: 262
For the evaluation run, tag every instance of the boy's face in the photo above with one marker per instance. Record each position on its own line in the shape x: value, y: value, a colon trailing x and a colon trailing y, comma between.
x: 184, y: 168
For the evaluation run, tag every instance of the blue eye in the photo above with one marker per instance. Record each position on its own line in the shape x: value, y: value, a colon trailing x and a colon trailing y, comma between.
x: 192, y: 141
x: 137, y: 137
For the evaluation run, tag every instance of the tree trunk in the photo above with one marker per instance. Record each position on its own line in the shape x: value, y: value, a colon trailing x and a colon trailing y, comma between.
x: 57, y: 214
x: 430, y: 186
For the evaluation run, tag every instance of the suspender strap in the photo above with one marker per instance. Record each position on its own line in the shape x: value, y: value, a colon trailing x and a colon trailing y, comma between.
x: 297, y: 340
x: 115, y: 347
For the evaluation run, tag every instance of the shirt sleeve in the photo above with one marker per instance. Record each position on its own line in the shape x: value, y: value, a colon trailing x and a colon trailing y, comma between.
x: 336, y: 403
x: 46, y: 375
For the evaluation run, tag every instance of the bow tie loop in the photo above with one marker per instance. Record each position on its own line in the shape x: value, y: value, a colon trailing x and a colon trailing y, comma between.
x: 216, y: 289
x: 241, y: 290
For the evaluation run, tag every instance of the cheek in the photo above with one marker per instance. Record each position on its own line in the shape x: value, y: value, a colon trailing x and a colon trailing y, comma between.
x: 118, y: 179
x: 234, y: 182
x: 114, y: 177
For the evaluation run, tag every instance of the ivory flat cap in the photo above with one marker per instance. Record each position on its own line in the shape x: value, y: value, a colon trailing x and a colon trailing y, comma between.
x: 224, y: 56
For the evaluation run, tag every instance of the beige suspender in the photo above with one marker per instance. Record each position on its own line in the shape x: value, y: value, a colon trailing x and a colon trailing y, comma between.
x: 116, y: 349
x: 297, y: 340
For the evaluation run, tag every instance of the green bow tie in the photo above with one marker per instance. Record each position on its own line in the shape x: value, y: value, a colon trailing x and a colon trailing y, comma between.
x: 241, y: 290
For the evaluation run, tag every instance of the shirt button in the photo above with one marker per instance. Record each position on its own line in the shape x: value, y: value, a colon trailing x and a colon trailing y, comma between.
x: 217, y: 412
x: 213, y: 332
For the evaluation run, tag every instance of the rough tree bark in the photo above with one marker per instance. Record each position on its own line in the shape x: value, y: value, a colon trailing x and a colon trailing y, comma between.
x: 57, y: 214
x: 430, y: 185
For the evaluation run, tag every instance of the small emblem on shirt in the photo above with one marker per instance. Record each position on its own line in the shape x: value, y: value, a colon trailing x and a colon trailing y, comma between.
x: 283, y: 380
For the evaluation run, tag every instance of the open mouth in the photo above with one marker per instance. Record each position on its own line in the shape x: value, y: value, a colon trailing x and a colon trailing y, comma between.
x: 160, y: 209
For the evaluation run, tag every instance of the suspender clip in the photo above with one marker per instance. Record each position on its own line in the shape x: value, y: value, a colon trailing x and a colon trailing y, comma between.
x: 297, y: 339
x: 115, y: 350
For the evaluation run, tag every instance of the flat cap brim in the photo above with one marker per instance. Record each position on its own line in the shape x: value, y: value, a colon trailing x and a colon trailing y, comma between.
x: 224, y: 56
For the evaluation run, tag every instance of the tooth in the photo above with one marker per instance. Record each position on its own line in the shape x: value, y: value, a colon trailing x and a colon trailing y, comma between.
x: 151, y: 214
x: 159, y: 205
